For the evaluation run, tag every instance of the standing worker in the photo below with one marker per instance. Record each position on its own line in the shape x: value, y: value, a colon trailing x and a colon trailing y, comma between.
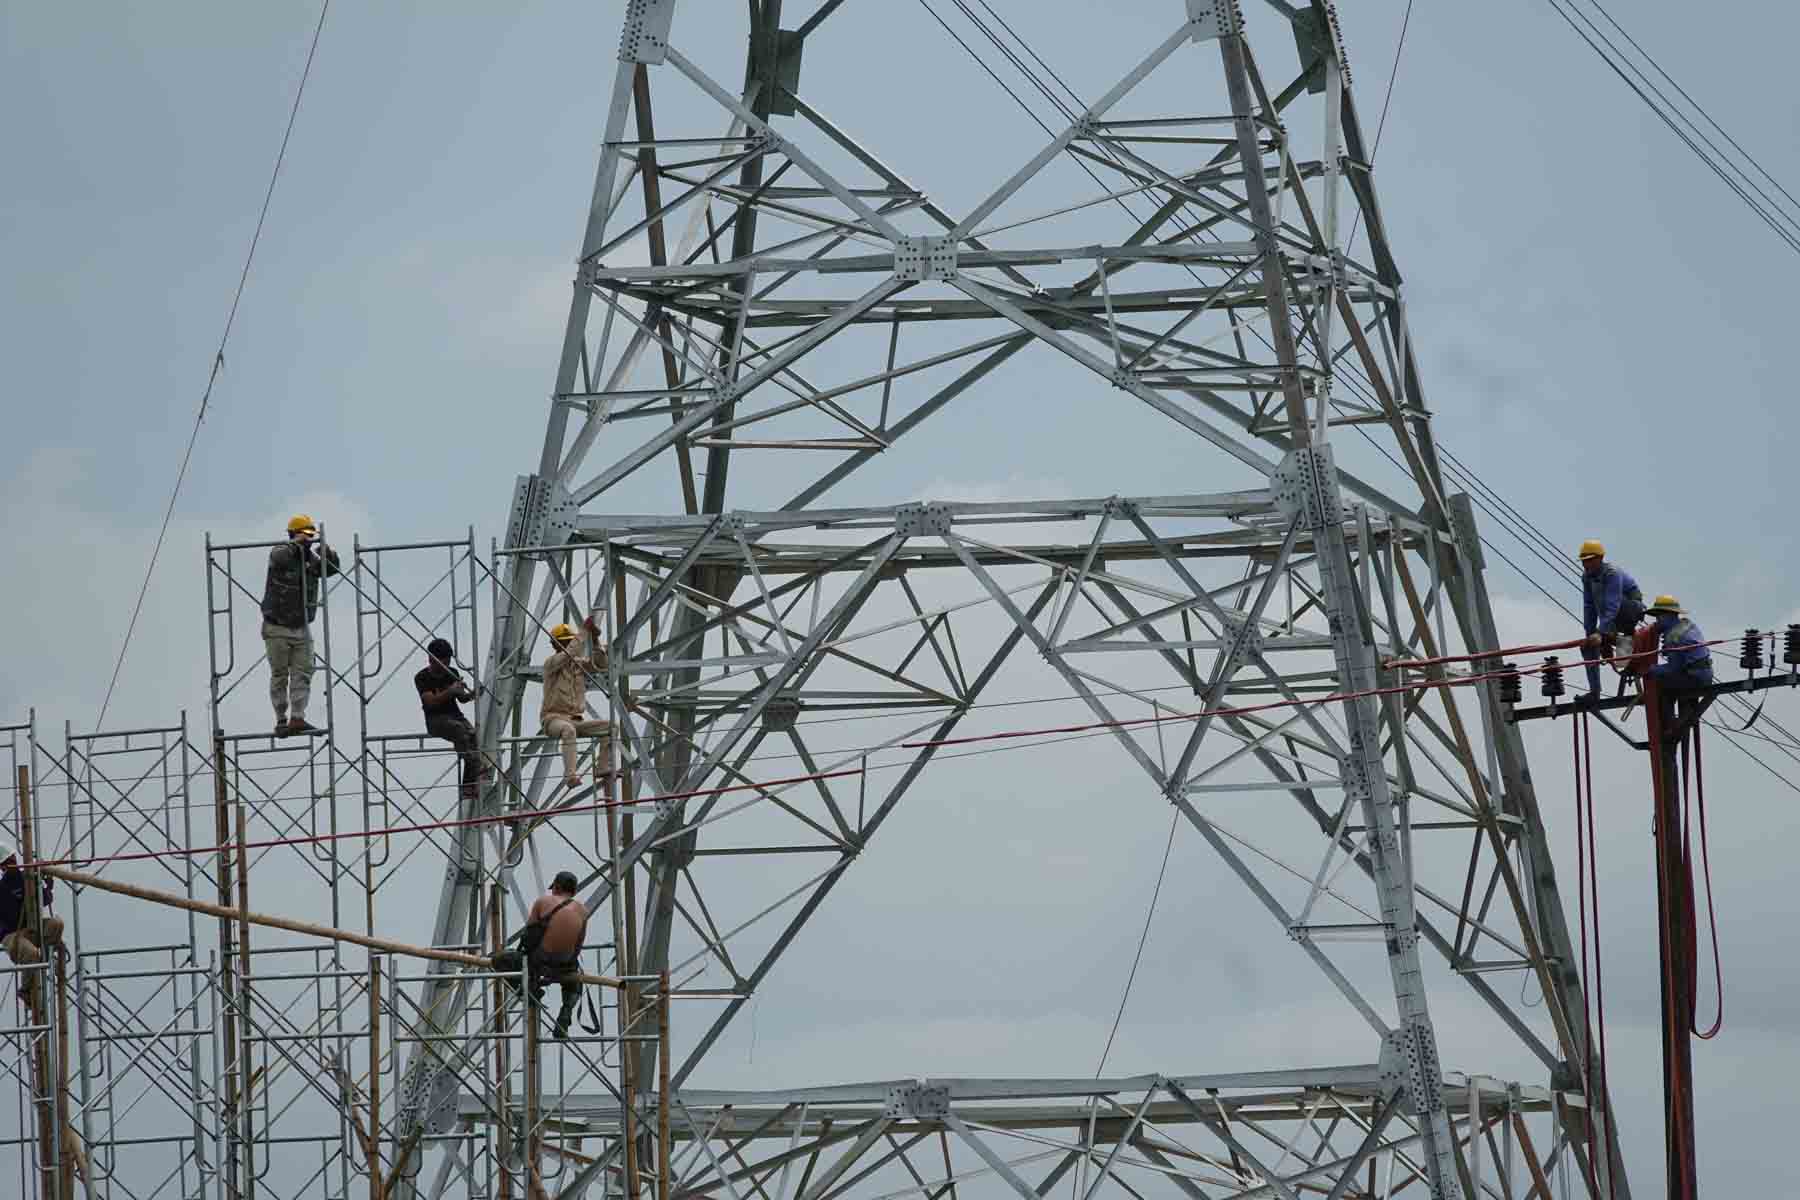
x: 441, y: 689
x: 1611, y: 604
x: 555, y: 946
x: 290, y: 601
x: 1687, y: 662
x: 564, y: 711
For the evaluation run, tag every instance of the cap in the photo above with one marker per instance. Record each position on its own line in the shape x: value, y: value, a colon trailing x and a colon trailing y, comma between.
x: 564, y: 882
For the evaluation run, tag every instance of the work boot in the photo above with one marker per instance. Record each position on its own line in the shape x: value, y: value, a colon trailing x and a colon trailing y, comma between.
x: 281, y: 726
x: 560, y: 1032
x: 299, y: 726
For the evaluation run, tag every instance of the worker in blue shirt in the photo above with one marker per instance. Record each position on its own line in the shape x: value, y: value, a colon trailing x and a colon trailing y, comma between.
x: 1611, y: 604
x: 1687, y: 662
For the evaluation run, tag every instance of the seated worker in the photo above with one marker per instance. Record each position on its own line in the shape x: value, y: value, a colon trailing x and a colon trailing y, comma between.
x: 18, y: 921
x: 441, y: 689
x: 1687, y: 662
x: 556, y: 958
x: 564, y: 712
x: 1611, y: 604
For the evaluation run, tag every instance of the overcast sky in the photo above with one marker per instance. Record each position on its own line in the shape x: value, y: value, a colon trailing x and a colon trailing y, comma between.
x: 1601, y: 328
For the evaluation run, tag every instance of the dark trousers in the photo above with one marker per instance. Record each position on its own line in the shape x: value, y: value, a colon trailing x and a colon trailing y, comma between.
x: 1624, y: 623
x: 561, y: 970
x: 1678, y: 676
x: 459, y: 733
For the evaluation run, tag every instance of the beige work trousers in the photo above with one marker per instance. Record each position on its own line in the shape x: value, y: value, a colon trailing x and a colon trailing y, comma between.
x: 290, y: 669
x: 24, y: 952
x: 568, y: 730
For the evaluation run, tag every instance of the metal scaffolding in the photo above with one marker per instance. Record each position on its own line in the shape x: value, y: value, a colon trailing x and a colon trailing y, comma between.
x: 756, y: 294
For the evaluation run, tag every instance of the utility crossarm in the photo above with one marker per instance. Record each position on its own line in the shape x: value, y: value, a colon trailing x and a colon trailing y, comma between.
x: 1541, y: 712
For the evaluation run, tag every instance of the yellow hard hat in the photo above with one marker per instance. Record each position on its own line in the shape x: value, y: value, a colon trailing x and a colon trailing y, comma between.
x: 1591, y: 549
x: 561, y: 632
x: 300, y: 521
x: 1665, y: 603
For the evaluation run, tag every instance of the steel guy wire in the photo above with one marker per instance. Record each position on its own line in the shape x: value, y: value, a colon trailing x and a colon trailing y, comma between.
x: 218, y: 364
x: 1381, y: 125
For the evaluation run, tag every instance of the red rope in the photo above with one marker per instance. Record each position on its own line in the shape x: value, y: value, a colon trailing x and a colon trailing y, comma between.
x: 1588, y: 1066
x: 1402, y: 664
x: 1712, y: 912
x: 1587, y: 737
x: 1240, y: 710
x: 1246, y: 709
x: 1405, y: 664
x: 1587, y: 842
x: 526, y: 814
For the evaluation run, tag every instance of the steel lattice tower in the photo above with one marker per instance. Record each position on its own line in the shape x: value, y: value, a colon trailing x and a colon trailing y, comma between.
x: 763, y: 308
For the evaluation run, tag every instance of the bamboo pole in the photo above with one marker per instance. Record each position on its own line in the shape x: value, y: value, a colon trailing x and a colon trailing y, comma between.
x: 662, y: 1112
x: 233, y: 1067
x: 374, y: 1151
x: 308, y: 928
x: 66, y: 1145
x: 31, y: 984
x: 502, y: 1065
x: 533, y: 1141
x: 246, y: 1030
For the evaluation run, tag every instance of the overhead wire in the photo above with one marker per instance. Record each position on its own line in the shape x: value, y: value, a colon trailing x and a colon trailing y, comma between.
x: 1006, y: 739
x: 218, y: 365
x: 1530, y: 537
x: 1781, y: 222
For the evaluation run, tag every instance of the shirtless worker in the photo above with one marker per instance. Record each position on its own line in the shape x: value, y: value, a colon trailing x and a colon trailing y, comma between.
x: 557, y: 958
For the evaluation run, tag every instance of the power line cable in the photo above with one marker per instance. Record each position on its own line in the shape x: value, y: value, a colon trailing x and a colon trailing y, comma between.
x: 1748, y: 157
x: 1519, y: 530
x: 1644, y: 92
x: 218, y: 364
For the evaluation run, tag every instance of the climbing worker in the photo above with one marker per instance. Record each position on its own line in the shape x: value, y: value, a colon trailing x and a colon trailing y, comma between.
x: 1687, y: 662
x: 441, y: 689
x: 18, y: 923
x: 18, y: 917
x: 564, y: 710
x: 553, y: 948
x: 290, y: 601
x: 1611, y: 604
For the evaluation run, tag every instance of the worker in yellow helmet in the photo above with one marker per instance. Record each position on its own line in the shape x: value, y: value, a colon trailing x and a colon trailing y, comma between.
x: 1611, y: 604
x: 564, y: 711
x: 1687, y: 662
x: 290, y: 601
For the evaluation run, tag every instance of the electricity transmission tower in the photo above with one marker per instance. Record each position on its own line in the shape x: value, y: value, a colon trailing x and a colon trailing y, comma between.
x: 765, y: 316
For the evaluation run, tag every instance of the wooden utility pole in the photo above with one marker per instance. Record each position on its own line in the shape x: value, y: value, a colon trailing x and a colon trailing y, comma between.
x: 1676, y: 936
